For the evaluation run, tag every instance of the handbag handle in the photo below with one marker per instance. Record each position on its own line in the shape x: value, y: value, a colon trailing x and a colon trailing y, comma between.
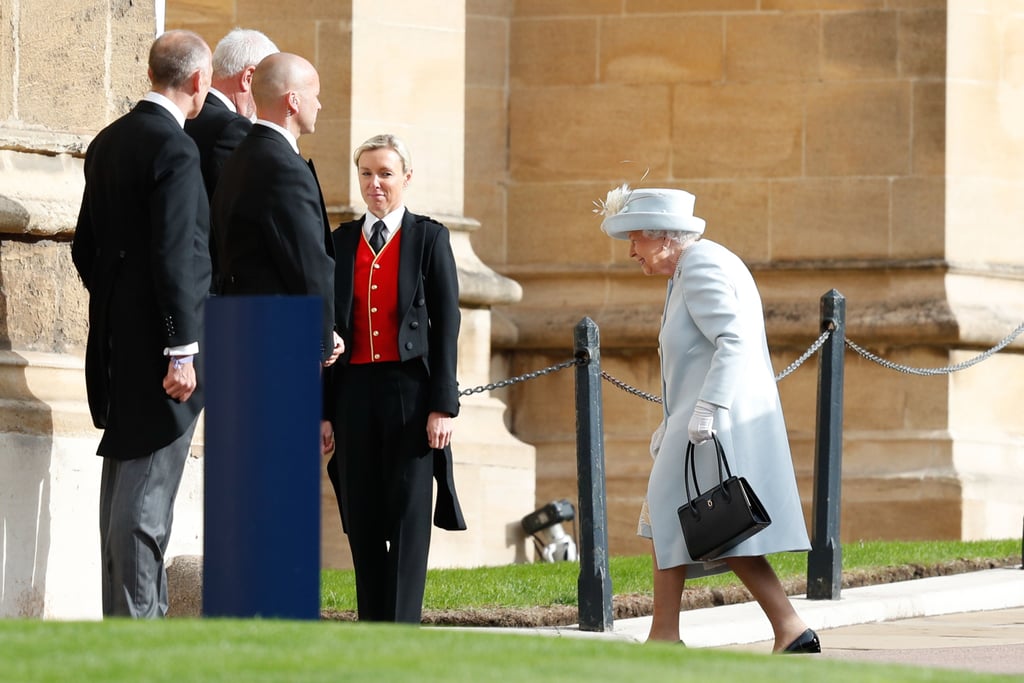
x: 690, y: 468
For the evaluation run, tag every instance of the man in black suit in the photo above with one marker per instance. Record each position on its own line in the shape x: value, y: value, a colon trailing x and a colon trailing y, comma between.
x: 227, y: 114
x: 393, y: 395
x: 141, y: 249
x: 268, y: 216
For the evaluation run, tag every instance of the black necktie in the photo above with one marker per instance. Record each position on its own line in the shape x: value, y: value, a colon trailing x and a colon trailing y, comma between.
x: 377, y: 238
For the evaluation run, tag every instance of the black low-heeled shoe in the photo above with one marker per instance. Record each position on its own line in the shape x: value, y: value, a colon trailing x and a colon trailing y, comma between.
x: 806, y: 643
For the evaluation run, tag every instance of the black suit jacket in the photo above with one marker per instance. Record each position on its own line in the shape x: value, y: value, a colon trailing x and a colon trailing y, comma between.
x: 217, y: 131
x: 429, y: 320
x: 141, y: 249
x: 270, y: 226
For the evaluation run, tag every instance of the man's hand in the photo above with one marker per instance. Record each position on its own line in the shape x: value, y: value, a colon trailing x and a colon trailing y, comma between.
x: 326, y: 438
x: 180, y: 381
x: 439, y: 430
x: 339, y: 348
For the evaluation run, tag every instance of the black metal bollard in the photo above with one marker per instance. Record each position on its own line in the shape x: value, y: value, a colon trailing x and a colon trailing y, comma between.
x: 595, y: 585
x: 825, y: 561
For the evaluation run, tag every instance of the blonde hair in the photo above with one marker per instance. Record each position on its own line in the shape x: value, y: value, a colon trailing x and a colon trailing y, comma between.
x: 385, y: 141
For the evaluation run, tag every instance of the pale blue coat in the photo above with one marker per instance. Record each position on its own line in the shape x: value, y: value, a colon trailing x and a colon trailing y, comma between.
x: 713, y: 347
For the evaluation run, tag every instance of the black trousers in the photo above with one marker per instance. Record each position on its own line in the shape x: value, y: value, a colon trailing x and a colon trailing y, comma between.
x: 384, y: 483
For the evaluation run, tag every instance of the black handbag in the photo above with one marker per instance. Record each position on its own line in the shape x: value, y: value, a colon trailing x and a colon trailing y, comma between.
x: 721, y: 517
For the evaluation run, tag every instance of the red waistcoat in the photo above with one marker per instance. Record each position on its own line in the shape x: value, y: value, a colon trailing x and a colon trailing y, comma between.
x: 375, y: 303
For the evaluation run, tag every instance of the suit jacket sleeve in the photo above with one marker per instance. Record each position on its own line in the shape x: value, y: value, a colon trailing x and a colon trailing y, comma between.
x: 442, y: 292
x: 177, y: 199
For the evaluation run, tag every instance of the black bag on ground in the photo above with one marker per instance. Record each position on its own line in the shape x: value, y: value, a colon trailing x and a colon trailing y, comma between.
x: 721, y: 517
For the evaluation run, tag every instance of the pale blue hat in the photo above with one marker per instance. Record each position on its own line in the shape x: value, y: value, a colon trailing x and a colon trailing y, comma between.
x: 627, y: 210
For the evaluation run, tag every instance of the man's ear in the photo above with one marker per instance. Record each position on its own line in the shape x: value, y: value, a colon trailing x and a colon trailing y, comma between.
x: 196, y: 81
x: 245, y: 79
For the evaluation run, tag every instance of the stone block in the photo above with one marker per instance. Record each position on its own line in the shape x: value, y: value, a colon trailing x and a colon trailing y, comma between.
x: 607, y: 131
x: 295, y: 35
x: 249, y: 11
x: 553, y: 52
x: 334, y: 64
x: 737, y: 215
x: 661, y: 49
x: 986, y: 132
x: 972, y: 32
x: 181, y: 13
x: 860, y: 45
x: 828, y: 219
x: 543, y: 8
x: 858, y: 129
x: 7, y: 54
x: 62, y: 34
x: 487, y: 53
x: 544, y: 224
x: 737, y: 130
x: 886, y: 401
x: 678, y: 6
x: 922, y: 44
x: 824, y: 5
x: 185, y: 586
x: 486, y: 202
x: 131, y: 35
x: 773, y: 47
x: 928, y: 152
x: 491, y: 8
x: 978, y: 203
x: 486, y: 151
x: 42, y: 272
x: 918, y: 218
x: 330, y: 148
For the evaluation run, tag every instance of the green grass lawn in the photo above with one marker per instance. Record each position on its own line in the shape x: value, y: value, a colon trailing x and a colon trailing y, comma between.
x: 256, y: 650
x: 528, y: 585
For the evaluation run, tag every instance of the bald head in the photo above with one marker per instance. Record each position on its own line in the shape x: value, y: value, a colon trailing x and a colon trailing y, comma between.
x: 175, y: 56
x: 286, y: 89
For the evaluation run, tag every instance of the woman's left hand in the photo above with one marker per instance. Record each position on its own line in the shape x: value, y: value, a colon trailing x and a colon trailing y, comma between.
x: 439, y: 430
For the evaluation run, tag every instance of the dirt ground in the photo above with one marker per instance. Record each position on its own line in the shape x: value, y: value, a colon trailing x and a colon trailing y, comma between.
x: 639, y: 605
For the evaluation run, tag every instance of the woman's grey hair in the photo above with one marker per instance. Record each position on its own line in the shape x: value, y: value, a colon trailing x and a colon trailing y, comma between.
x: 239, y: 49
x: 677, y: 236
x: 175, y: 56
x: 385, y: 141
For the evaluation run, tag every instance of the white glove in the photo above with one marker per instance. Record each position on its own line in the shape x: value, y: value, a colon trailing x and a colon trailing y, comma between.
x: 701, y: 422
x: 657, y: 438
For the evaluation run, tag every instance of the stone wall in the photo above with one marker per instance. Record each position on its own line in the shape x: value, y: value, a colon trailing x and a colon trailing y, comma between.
x: 862, y: 145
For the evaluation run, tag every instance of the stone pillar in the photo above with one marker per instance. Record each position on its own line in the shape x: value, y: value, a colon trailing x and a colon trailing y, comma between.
x: 49, y: 537
x: 399, y: 67
x: 415, y: 88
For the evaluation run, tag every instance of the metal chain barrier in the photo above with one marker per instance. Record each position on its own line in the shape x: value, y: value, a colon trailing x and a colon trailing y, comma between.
x: 936, y: 371
x: 811, y: 350
x: 522, y: 378
x: 782, y: 375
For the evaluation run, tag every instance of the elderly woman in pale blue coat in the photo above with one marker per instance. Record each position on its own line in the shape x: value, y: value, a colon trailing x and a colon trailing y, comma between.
x: 716, y: 377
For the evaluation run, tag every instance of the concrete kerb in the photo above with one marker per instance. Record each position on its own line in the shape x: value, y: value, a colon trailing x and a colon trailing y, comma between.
x: 744, y: 623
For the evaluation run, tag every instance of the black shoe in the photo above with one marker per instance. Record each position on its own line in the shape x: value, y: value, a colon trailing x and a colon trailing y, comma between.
x: 807, y: 643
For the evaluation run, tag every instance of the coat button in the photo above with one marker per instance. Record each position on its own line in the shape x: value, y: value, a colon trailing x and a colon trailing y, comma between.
x: 420, y: 301
x: 408, y: 346
x: 414, y: 325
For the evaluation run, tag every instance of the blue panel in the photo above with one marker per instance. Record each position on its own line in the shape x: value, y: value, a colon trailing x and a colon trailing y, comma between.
x: 262, y: 496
